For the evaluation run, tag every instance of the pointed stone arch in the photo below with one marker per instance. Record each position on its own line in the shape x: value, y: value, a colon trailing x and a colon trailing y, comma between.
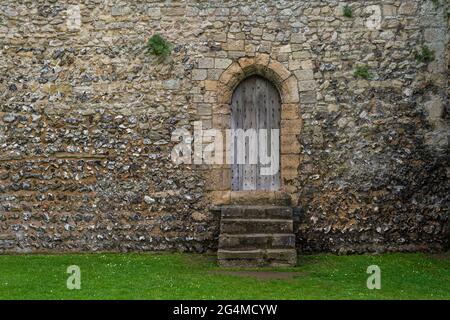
x: 291, y: 123
x: 261, y: 65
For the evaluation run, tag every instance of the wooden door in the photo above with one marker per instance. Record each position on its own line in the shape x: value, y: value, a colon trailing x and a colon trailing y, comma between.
x: 255, y: 105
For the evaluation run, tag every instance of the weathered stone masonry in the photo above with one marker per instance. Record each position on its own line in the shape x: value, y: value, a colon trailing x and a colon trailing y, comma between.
x: 86, y: 116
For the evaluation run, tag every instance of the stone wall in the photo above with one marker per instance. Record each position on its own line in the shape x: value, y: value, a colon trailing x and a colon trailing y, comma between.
x: 86, y: 117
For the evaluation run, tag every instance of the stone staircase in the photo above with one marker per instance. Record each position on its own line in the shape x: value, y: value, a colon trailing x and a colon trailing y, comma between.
x: 256, y: 236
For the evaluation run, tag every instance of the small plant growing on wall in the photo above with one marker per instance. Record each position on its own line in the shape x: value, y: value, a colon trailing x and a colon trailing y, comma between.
x: 436, y: 3
x: 425, y: 55
x: 347, y: 12
x: 362, y: 71
x: 159, y: 46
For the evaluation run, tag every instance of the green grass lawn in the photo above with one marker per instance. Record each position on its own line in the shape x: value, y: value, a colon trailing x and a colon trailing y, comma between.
x: 195, y: 276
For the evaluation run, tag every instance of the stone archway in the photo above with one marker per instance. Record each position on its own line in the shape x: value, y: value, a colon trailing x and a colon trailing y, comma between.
x: 219, y: 178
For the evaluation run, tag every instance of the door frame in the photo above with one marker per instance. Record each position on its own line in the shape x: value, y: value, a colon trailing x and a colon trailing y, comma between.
x: 218, y: 176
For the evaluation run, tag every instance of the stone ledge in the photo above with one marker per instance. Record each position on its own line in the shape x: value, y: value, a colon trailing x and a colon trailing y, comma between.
x: 227, y: 197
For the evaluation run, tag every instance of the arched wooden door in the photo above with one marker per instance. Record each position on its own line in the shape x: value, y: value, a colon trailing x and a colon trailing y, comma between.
x: 255, y: 105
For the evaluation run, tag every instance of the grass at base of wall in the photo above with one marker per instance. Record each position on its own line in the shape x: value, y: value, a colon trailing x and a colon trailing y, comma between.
x: 195, y: 276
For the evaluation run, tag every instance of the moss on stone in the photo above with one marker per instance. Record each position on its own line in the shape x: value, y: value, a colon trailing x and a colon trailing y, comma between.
x: 425, y: 55
x: 347, y: 12
x: 362, y: 71
x: 159, y: 46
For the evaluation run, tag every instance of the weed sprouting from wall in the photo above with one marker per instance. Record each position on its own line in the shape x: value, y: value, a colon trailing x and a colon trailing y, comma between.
x: 425, y: 55
x: 347, y: 12
x: 159, y: 46
x: 436, y: 3
x: 362, y: 71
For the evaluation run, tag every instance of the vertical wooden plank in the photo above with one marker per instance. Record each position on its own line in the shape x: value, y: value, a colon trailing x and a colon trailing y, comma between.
x: 237, y: 118
x: 275, y: 107
x: 248, y: 171
x: 270, y: 125
x: 242, y: 117
x: 253, y: 149
x: 262, y: 124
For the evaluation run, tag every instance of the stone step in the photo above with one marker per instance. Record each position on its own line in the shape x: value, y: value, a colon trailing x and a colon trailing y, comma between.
x: 257, y: 234
x: 258, y: 212
x: 277, y: 198
x: 257, y: 258
x: 257, y: 241
x: 248, y: 226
